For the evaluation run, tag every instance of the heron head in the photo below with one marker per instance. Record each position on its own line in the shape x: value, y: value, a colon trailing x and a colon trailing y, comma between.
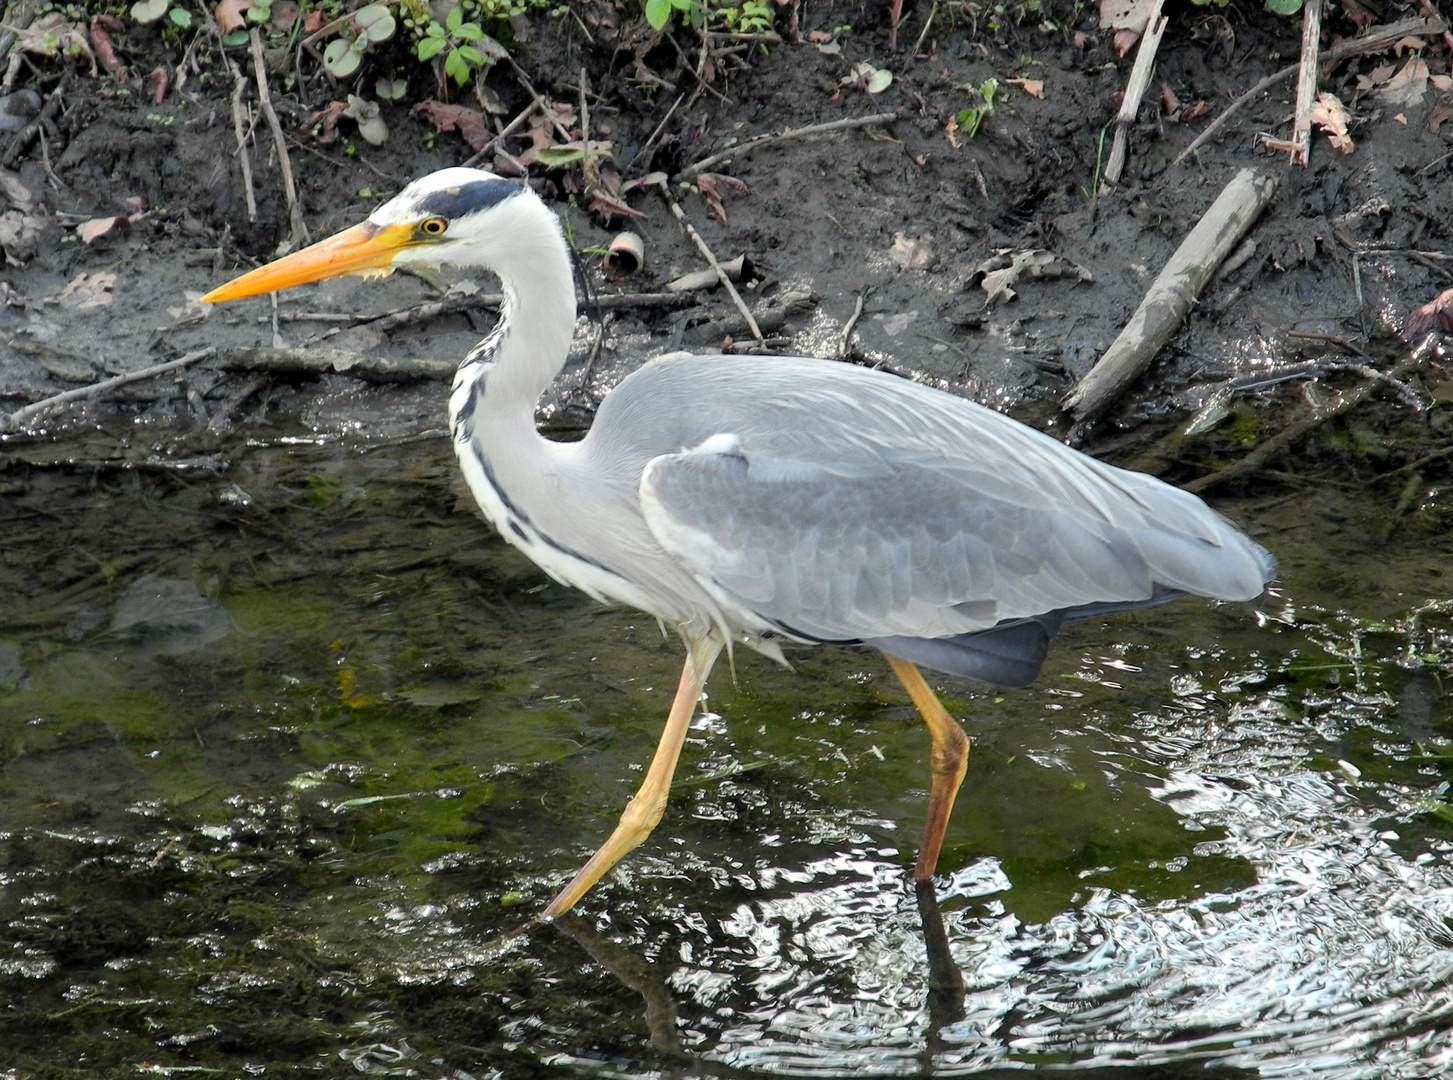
x: 461, y: 216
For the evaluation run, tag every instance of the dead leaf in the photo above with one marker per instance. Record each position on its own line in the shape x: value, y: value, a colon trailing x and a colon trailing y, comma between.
x: 1199, y: 109
x: 1401, y: 119
x: 467, y: 122
x: 608, y: 206
x: 950, y: 131
x: 819, y: 37
x: 1171, y: 104
x: 912, y: 254
x: 710, y: 185
x: 1438, y: 116
x: 191, y: 311
x: 831, y: 48
x: 1127, y: 18
x: 96, y: 228
x: 1437, y: 314
x: 1000, y: 272
x: 1377, y: 75
x: 1033, y: 87
x: 1416, y: 44
x: 324, y: 125
x: 106, y: 52
x: 1328, y: 113
x: 1442, y: 82
x: 85, y: 292
x: 1406, y: 89
x: 229, y: 15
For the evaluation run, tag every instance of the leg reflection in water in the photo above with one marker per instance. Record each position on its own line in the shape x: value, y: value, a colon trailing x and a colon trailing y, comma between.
x: 944, y: 1004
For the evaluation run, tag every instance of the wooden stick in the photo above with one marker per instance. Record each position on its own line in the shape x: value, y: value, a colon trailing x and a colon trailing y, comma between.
x: 244, y: 159
x: 1173, y: 292
x: 767, y: 140
x: 285, y: 165
x: 649, y: 149
x: 19, y: 416
x: 1380, y: 38
x: 1307, y: 80
x: 1135, y: 89
x: 721, y: 275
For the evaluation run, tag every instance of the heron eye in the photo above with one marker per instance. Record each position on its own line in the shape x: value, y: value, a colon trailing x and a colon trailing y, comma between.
x: 435, y: 226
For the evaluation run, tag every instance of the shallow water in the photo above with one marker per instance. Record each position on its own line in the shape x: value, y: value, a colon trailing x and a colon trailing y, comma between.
x: 291, y: 743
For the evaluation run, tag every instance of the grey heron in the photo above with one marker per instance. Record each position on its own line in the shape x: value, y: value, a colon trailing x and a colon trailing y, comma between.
x: 774, y: 499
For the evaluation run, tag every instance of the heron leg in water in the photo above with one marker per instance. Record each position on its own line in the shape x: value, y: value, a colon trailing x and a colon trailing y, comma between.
x: 948, y: 759
x: 645, y: 808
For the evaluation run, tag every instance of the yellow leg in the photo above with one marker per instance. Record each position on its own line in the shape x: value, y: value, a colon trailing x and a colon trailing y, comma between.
x: 645, y: 809
x: 947, y: 760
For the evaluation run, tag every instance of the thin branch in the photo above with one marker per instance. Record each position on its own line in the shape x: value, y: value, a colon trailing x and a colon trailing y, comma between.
x: 711, y: 259
x: 15, y: 419
x: 509, y: 129
x: 264, y: 97
x: 243, y: 157
x: 767, y: 140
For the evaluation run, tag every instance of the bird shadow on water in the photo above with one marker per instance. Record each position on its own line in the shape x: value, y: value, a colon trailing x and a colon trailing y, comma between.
x: 288, y: 748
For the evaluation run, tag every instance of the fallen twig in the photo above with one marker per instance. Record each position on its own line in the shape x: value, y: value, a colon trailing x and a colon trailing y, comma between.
x: 315, y: 360
x: 845, y: 342
x: 1283, y: 440
x: 1172, y: 293
x: 19, y: 416
x: 244, y: 159
x: 1307, y: 80
x: 767, y: 140
x: 21, y: 139
x: 1378, y: 39
x: 721, y: 274
x: 1135, y: 89
x: 285, y: 165
x: 641, y: 163
x: 508, y: 130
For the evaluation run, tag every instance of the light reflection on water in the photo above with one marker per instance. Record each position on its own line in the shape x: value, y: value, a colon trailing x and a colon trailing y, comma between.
x: 1256, y: 885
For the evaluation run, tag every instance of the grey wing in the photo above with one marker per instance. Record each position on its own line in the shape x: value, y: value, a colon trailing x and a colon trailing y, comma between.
x: 901, y: 540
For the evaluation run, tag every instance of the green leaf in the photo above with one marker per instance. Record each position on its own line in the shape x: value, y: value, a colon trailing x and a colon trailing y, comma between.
x: 470, y: 53
x: 181, y: 16
x: 657, y: 12
x: 456, y: 67
x: 235, y: 37
x: 469, y: 32
x: 429, y: 46
x: 1284, y: 7
x: 681, y: 5
x: 1439, y: 809
x: 435, y: 31
x: 555, y: 156
x: 258, y: 14
x: 341, y: 59
x: 149, y: 11
x: 453, y: 19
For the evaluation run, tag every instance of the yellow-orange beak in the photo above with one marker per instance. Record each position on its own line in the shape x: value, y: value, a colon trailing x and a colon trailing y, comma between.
x: 361, y: 248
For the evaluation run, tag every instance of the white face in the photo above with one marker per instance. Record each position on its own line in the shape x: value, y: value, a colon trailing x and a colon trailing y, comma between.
x: 452, y: 208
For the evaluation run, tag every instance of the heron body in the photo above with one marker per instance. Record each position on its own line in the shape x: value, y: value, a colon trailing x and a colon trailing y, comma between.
x: 768, y: 499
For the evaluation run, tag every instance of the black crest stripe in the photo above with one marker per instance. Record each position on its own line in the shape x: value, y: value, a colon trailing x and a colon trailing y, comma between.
x: 455, y: 202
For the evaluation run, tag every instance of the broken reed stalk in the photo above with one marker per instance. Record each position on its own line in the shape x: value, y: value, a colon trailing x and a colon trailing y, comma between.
x: 1135, y: 89
x: 767, y: 140
x: 1172, y: 293
x: 1380, y: 38
x: 285, y: 165
x: 1306, y: 80
x: 19, y: 416
x: 1263, y: 454
x: 721, y: 275
x: 243, y: 157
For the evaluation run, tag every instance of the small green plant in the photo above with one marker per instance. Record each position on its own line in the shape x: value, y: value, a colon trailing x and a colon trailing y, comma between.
x: 1277, y: 7
x: 659, y: 11
x: 753, y: 17
x: 456, y: 36
x: 973, y: 117
x: 371, y: 25
x: 149, y: 11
